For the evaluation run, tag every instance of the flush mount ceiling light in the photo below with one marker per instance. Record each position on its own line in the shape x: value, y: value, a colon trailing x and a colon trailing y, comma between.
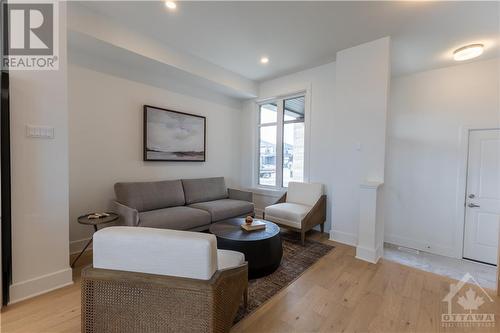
x: 468, y: 52
x: 170, y: 4
x: 264, y: 60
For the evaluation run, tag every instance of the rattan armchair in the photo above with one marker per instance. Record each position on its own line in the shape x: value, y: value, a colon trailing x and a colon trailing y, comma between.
x: 122, y: 301
x: 118, y: 301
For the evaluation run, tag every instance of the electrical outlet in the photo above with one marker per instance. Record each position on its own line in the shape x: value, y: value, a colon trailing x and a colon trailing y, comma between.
x: 40, y: 132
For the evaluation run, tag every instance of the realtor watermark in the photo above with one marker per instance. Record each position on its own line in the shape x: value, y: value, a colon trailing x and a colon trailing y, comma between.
x: 464, y: 303
x: 30, y: 35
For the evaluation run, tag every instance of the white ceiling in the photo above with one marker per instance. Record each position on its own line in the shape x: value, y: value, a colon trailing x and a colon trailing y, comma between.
x: 298, y: 35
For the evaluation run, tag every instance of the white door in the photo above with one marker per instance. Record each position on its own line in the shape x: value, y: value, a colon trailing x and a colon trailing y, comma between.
x: 482, y: 202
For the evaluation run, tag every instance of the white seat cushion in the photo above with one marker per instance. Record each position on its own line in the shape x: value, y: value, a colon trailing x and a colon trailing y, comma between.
x: 287, y: 213
x: 229, y: 259
x: 304, y: 193
x: 156, y: 251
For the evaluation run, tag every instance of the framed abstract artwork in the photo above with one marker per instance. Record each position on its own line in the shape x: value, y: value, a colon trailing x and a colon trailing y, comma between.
x: 173, y: 136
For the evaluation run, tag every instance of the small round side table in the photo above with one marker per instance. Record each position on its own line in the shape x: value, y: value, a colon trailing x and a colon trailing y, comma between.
x: 84, y: 219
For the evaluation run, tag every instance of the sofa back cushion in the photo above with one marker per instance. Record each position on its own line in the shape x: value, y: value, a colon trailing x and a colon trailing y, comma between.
x: 145, y: 196
x: 304, y: 193
x: 156, y: 251
x: 204, y: 189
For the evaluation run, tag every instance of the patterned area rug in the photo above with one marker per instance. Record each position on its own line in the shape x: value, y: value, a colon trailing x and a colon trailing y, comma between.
x: 296, y: 259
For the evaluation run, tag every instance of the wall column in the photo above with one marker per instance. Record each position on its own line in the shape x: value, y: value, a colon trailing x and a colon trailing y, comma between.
x: 359, y: 123
x: 40, y: 226
x: 371, y: 229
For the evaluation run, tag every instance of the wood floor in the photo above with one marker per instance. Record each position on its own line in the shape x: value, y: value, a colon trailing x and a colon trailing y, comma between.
x: 338, y: 294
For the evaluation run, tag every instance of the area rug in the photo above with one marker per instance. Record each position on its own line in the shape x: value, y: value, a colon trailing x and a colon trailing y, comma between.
x: 296, y: 259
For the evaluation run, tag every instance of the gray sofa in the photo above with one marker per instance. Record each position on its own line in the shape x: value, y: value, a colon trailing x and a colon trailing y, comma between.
x: 186, y: 204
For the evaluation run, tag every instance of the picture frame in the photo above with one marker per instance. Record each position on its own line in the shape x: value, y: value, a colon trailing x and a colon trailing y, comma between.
x: 173, y: 136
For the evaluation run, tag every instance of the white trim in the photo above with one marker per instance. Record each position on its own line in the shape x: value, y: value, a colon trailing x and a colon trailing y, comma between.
x: 306, y: 91
x: 267, y: 191
x: 343, y: 237
x: 21, y: 291
x: 369, y: 255
x: 286, y: 94
x: 461, y: 190
x: 419, y: 245
x: 77, y: 246
x: 279, y: 144
x: 255, y: 141
x: 307, y: 131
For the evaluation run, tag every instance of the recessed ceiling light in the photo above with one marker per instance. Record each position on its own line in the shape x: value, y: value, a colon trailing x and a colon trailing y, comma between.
x: 264, y: 60
x: 170, y: 4
x: 468, y: 52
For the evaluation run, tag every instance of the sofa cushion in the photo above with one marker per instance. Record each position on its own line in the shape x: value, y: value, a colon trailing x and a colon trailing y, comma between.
x: 177, y: 218
x: 204, y: 189
x: 154, y: 251
x: 145, y: 196
x: 225, y: 208
x: 229, y: 259
x: 304, y: 193
x: 287, y: 213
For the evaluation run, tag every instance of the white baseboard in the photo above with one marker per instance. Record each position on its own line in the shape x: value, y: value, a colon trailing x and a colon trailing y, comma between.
x: 343, y: 237
x: 370, y: 255
x: 40, y: 285
x: 77, y: 246
x: 420, y: 245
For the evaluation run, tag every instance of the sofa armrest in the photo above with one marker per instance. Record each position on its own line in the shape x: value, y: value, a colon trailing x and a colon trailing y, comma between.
x: 183, y: 304
x: 240, y: 195
x: 129, y: 215
x: 229, y: 285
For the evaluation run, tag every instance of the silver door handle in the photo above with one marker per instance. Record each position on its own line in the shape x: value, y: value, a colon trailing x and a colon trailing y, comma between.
x: 472, y: 205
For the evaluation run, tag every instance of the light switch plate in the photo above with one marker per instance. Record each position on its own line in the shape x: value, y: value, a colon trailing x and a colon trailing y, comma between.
x: 40, y: 132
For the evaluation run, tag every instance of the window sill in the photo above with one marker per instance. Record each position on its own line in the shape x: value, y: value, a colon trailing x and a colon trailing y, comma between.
x: 272, y: 192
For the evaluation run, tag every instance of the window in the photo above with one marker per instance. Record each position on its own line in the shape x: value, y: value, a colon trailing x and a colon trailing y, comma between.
x: 293, y: 140
x: 268, y: 141
x: 281, y: 141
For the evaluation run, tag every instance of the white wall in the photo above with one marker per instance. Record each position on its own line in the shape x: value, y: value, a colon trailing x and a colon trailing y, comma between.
x: 358, y: 127
x: 40, y: 178
x: 105, y: 121
x: 98, y: 33
x: 335, y: 129
x: 423, y: 184
x: 321, y: 81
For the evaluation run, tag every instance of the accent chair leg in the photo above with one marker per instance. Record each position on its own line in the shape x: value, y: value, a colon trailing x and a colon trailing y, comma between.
x: 263, y: 215
x: 245, y: 298
x: 303, y: 237
x: 322, y: 227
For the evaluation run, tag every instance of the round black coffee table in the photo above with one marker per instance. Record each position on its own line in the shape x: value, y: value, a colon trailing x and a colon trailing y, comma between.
x: 262, y: 248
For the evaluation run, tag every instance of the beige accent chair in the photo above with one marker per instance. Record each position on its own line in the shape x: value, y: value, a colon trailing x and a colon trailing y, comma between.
x: 157, y: 280
x: 300, y: 209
